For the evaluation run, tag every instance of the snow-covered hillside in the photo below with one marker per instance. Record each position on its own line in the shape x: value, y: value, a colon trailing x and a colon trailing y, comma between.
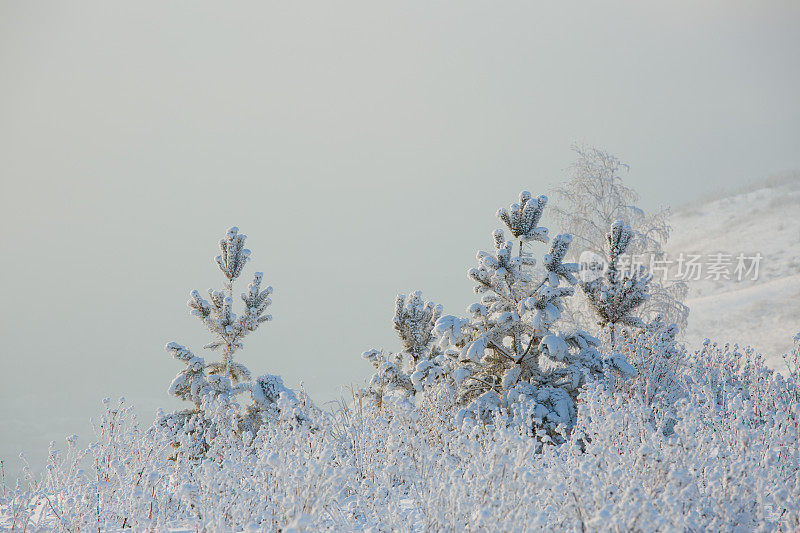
x: 763, y: 313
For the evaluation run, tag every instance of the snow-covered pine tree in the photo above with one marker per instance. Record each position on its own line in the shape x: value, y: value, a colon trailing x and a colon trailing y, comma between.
x: 592, y: 198
x: 221, y: 381
x: 418, y: 364
x: 508, y: 355
x: 618, y: 292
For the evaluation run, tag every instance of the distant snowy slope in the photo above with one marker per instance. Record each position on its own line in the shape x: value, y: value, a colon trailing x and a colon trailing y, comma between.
x: 763, y: 313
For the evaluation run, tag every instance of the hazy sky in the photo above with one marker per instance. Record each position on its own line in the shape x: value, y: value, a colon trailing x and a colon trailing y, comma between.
x: 362, y: 146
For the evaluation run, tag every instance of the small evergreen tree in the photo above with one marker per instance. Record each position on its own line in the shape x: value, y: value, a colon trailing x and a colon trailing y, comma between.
x: 418, y: 364
x: 509, y: 355
x: 219, y: 382
x: 618, y: 292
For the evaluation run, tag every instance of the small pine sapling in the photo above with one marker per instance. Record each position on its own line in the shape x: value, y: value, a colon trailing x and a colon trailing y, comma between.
x: 221, y: 381
x: 509, y: 354
x: 418, y: 364
x: 618, y: 292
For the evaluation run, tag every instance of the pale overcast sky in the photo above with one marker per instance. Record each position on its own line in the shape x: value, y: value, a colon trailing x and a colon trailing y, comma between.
x: 362, y: 146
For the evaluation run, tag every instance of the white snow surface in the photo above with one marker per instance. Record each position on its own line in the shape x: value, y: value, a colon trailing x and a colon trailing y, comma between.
x: 764, y: 313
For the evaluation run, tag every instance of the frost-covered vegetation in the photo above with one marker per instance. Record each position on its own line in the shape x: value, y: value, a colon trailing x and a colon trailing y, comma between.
x: 594, y: 197
x: 509, y: 419
x: 728, y: 461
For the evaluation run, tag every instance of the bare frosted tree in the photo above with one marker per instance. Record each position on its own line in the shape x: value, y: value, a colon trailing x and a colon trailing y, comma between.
x: 588, y: 203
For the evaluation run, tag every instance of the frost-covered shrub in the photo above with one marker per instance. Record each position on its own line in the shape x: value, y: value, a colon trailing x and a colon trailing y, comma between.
x: 793, y: 361
x: 658, y: 359
x: 617, y: 298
